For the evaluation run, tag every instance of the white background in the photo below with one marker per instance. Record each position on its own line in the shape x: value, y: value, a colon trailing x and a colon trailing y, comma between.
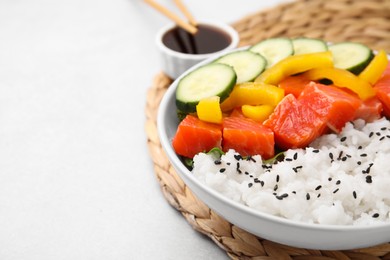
x: 76, y: 180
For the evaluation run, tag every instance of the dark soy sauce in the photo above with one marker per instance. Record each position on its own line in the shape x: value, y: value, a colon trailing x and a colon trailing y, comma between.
x: 208, y: 39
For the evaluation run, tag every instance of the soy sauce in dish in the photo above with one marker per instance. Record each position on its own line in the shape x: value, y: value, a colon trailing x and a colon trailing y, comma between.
x: 208, y: 39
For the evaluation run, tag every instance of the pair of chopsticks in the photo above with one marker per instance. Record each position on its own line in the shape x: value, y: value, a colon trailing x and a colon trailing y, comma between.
x: 189, y: 26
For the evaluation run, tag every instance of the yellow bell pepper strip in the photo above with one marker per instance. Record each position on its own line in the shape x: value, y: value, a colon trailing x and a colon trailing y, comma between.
x: 258, y: 113
x: 295, y: 64
x: 375, y: 68
x: 343, y: 79
x: 209, y: 110
x: 252, y: 93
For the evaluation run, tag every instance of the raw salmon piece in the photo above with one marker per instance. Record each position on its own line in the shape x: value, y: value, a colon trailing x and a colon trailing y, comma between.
x: 331, y: 103
x: 370, y: 110
x: 237, y: 112
x: 194, y: 136
x: 247, y: 137
x: 294, y: 123
x: 382, y: 89
x: 294, y: 84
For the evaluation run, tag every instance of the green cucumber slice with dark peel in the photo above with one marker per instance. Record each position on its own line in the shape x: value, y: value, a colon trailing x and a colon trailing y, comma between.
x: 247, y: 65
x: 351, y: 56
x: 274, y: 49
x: 305, y: 45
x: 214, y: 79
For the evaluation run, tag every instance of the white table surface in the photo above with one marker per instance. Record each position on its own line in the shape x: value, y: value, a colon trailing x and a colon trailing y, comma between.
x: 76, y: 179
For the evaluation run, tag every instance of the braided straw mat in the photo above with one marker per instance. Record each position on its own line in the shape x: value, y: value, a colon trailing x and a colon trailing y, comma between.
x: 365, y: 21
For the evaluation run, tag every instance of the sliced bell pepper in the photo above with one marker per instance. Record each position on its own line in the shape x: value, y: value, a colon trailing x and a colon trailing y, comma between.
x: 375, y: 68
x: 209, y: 110
x: 258, y: 113
x: 295, y: 64
x: 344, y: 79
x: 252, y: 93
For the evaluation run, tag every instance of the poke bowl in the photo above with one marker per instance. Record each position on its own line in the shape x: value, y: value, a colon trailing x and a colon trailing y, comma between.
x: 320, y: 229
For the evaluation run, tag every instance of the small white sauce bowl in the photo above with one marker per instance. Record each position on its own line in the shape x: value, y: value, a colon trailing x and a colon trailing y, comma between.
x: 175, y: 63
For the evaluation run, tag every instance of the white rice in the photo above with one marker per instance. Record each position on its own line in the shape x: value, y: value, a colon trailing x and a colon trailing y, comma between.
x: 339, y: 180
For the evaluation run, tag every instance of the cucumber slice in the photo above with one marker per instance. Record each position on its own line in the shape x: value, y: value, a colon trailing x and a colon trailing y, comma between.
x: 247, y: 65
x: 274, y: 49
x: 214, y: 79
x: 351, y: 56
x: 308, y: 45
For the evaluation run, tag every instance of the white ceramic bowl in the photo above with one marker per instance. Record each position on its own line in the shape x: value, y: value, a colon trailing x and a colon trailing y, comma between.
x: 277, y: 229
x: 175, y: 63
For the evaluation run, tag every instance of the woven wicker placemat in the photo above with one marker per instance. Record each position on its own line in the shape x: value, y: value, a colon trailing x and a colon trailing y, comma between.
x: 365, y: 21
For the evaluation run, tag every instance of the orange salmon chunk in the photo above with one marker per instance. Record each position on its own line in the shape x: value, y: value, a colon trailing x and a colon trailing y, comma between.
x: 294, y: 124
x: 194, y: 136
x: 334, y: 105
x: 247, y: 137
x: 382, y: 90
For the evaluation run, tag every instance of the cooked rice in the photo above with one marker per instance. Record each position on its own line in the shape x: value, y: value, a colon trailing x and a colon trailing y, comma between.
x: 339, y: 179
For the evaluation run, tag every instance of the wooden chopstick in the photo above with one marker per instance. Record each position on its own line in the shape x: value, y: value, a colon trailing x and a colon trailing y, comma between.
x: 186, y: 26
x: 185, y: 11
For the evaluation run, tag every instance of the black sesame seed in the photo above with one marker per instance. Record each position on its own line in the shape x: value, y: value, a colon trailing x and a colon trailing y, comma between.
x: 318, y: 187
x: 251, y: 176
x: 344, y: 158
x: 376, y: 215
x: 359, y: 162
x: 217, y: 162
x: 368, y: 179
x: 378, y: 133
x: 331, y: 156
x: 371, y: 134
x: 330, y: 179
x: 316, y: 151
x: 295, y: 156
x: 295, y: 169
x: 280, y: 197
x: 384, y: 128
x: 237, y: 157
x: 343, y: 138
x: 262, y: 183
x: 363, y: 155
x: 336, y: 190
x: 228, y: 163
x: 354, y: 194
x: 294, y: 192
x: 307, y: 196
x: 222, y: 170
x: 250, y: 184
x: 288, y: 159
x: 319, y: 195
x: 276, y: 187
x: 277, y: 178
x: 338, y: 182
x: 360, y: 147
x: 246, y: 173
x: 382, y: 138
x: 250, y: 158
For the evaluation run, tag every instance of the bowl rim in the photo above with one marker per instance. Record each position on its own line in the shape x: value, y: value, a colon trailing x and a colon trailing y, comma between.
x: 175, y: 160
